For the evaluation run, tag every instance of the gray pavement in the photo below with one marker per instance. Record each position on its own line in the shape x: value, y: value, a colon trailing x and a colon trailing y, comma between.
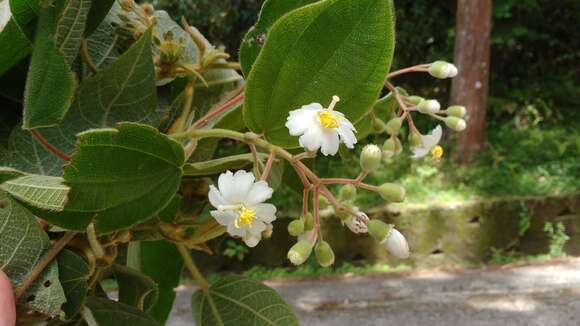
x: 542, y: 294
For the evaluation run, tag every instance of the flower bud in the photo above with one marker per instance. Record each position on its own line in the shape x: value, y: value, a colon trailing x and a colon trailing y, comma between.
x: 127, y: 5
x: 308, y: 222
x: 379, y: 125
x: 455, y: 123
x: 415, y: 139
x: 415, y: 99
x: 392, y: 192
x: 148, y: 9
x: 396, y: 244
x: 442, y: 70
x: 429, y: 106
x: 347, y: 192
x: 394, y: 125
x: 300, y: 252
x: 370, y: 158
x: 296, y: 227
x: 324, y: 254
x: 456, y: 111
x: 358, y: 224
x: 323, y: 202
x: 379, y: 229
x: 392, y: 147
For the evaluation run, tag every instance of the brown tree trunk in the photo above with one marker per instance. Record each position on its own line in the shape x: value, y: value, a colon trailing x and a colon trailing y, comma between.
x: 470, y: 87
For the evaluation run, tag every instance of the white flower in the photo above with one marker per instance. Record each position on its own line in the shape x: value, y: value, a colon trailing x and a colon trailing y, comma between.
x: 240, y: 205
x: 358, y: 224
x: 396, y: 244
x: 321, y: 128
x: 5, y: 13
x: 428, y: 142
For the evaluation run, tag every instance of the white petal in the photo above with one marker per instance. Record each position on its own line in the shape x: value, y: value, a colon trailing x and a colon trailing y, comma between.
x: 242, y: 183
x: 259, y: 193
x: 257, y: 228
x: 311, y: 139
x: 5, y: 14
x: 224, y: 218
x: 265, y: 212
x: 251, y: 241
x: 396, y: 244
x: 329, y: 142
x: 236, y: 232
x: 215, y: 197
x: 300, y: 120
x: 419, y: 152
x: 346, y: 134
x: 226, y: 185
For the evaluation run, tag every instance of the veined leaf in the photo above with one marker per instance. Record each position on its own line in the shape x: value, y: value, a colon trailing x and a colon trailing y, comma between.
x: 23, y: 244
x: 16, y: 35
x: 253, y: 41
x: 26, y: 154
x: 216, y: 166
x: 103, y: 312
x: 332, y: 47
x: 9, y: 174
x: 50, y: 84
x: 135, y: 289
x: 40, y: 191
x: 70, y: 28
x: 237, y: 300
x: 125, y: 175
x: 99, y: 10
x: 74, y: 274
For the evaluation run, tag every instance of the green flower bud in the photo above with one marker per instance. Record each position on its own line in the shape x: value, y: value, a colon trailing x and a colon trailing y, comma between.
x: 324, y: 254
x: 392, y: 147
x: 392, y: 192
x: 347, y: 192
x: 442, y: 70
x: 323, y: 202
x: 455, y: 123
x: 296, y: 227
x: 308, y: 222
x: 429, y: 106
x: 394, y: 125
x: 415, y: 99
x: 415, y: 139
x: 379, y: 125
x: 379, y: 229
x: 370, y: 158
x: 456, y: 111
x: 300, y: 252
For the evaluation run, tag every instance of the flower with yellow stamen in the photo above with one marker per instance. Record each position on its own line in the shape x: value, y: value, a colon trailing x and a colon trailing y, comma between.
x: 429, y: 143
x: 437, y: 152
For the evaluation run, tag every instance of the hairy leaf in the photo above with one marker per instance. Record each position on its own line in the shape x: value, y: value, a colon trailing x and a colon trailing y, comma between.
x: 103, y: 312
x: 50, y: 84
x: 70, y: 28
x: 15, y: 38
x: 26, y: 154
x: 237, y: 300
x: 23, y: 244
x: 332, y: 47
x: 135, y: 289
x: 74, y: 274
x: 253, y: 41
x: 125, y: 175
x: 161, y: 261
x: 40, y: 191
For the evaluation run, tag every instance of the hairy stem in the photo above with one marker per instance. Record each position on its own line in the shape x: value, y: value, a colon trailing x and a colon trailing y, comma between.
x: 190, y: 264
x: 268, y: 166
x: 418, y: 68
x: 48, y: 146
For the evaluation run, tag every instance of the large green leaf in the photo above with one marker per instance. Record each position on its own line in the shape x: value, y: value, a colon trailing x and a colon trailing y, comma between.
x: 23, y: 244
x: 99, y: 10
x: 74, y: 274
x: 237, y: 300
x: 50, y: 84
x: 26, y: 154
x: 135, y: 289
x: 332, y: 47
x: 161, y: 261
x: 70, y: 28
x: 40, y: 191
x: 216, y: 166
x: 16, y: 35
x: 103, y: 312
x: 253, y: 41
x: 125, y: 175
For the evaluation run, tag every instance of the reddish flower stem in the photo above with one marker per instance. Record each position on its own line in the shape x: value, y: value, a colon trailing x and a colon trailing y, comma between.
x: 268, y: 166
x: 418, y: 68
x: 48, y: 146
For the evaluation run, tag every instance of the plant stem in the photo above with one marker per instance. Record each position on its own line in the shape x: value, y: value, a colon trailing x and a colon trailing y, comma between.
x: 94, y: 242
x: 43, y: 262
x: 86, y: 57
x: 190, y: 264
x: 418, y: 68
x: 268, y: 167
x: 48, y: 146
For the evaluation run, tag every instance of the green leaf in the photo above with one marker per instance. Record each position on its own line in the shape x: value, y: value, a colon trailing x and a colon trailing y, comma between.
x: 161, y: 261
x: 40, y: 191
x: 384, y: 109
x: 70, y: 28
x: 26, y: 154
x: 135, y: 289
x: 50, y: 84
x: 237, y: 300
x: 103, y: 312
x: 16, y: 35
x: 219, y: 165
x: 9, y: 174
x: 170, y: 211
x: 23, y: 244
x: 333, y: 47
x: 74, y: 274
x: 126, y: 175
x: 99, y: 10
x: 253, y: 41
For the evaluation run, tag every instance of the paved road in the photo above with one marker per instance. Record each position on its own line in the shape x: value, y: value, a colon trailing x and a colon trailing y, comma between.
x: 543, y: 295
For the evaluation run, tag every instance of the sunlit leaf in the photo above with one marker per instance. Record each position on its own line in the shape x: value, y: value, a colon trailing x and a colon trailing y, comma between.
x: 40, y: 191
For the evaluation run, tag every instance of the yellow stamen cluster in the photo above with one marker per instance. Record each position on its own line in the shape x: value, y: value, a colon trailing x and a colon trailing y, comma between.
x: 247, y: 215
x: 327, y: 119
x: 437, y: 152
